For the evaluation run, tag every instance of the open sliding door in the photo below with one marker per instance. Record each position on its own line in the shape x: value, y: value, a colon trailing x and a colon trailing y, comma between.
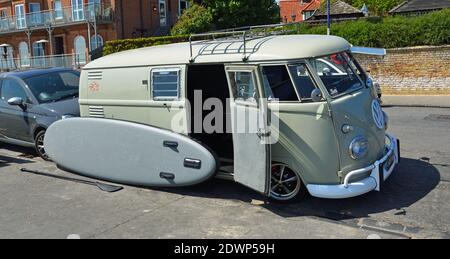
x: 249, y: 122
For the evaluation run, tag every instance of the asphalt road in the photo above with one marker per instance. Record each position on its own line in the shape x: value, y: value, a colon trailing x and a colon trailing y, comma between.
x: 414, y: 203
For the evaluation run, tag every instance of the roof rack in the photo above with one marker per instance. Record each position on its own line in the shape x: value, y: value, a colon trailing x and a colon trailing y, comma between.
x: 241, y: 34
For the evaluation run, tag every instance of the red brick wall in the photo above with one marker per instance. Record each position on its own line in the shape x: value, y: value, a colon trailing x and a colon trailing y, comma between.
x: 411, y: 70
x: 133, y: 18
x: 141, y: 14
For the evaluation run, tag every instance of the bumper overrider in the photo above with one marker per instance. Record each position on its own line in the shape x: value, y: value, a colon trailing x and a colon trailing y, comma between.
x: 380, y: 171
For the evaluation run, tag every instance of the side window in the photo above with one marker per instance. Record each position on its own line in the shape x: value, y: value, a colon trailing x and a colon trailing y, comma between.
x: 278, y: 83
x: 303, y: 81
x: 165, y: 84
x: 11, y: 88
x: 243, y: 86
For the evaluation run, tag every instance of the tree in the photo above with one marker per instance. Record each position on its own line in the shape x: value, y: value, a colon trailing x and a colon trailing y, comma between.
x: 238, y: 13
x: 196, y: 19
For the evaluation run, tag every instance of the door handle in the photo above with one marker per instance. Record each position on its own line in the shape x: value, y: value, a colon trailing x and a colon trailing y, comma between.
x: 262, y: 134
x: 170, y: 144
x: 167, y: 176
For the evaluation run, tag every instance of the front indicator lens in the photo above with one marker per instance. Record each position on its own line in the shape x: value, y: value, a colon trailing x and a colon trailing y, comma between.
x: 386, y: 121
x: 67, y: 116
x: 359, y: 148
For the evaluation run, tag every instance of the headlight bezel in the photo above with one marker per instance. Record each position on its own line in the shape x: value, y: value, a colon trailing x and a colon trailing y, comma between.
x: 67, y: 116
x: 363, y: 143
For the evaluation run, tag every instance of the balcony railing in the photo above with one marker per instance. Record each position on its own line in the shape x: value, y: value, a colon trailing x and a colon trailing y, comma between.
x: 24, y: 63
x: 66, y: 16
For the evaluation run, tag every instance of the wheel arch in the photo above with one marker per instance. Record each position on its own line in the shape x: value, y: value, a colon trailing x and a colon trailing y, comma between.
x: 293, y: 165
x: 38, y: 129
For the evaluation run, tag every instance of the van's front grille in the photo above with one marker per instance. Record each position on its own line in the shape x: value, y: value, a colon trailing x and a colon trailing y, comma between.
x: 96, y: 112
x: 95, y: 75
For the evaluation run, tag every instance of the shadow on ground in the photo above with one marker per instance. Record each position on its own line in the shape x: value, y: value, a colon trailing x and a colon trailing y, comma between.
x: 21, y: 151
x: 412, y: 181
x: 6, y: 161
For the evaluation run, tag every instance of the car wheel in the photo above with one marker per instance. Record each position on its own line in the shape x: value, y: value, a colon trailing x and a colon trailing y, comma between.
x: 286, y: 184
x: 39, y: 144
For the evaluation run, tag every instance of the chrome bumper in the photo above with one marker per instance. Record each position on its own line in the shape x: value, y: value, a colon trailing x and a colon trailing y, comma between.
x: 374, y: 182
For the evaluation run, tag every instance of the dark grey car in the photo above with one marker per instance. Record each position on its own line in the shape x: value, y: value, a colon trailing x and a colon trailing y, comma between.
x: 31, y: 101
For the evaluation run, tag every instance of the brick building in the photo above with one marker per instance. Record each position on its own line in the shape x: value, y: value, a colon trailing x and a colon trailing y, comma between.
x: 68, y: 30
x: 297, y: 10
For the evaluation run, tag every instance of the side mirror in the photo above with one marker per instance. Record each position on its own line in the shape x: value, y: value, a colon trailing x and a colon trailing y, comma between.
x: 316, y: 95
x: 301, y: 71
x: 369, y: 82
x: 16, y: 101
x: 326, y: 71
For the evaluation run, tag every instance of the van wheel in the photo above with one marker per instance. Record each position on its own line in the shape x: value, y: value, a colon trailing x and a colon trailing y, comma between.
x: 286, y: 185
x: 39, y: 145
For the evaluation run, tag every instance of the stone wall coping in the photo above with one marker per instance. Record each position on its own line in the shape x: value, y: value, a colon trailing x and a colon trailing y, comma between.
x: 418, y: 48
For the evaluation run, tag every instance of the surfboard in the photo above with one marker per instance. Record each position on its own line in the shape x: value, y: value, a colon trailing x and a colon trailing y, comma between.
x: 128, y: 153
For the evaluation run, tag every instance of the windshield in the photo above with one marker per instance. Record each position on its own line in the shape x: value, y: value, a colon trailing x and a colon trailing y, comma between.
x: 55, y: 86
x: 339, y: 73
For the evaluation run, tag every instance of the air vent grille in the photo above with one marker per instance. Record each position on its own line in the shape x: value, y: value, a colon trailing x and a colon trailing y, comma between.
x: 96, y: 112
x: 95, y: 75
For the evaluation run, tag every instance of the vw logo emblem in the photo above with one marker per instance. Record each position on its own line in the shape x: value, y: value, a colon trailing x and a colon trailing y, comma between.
x: 378, y: 116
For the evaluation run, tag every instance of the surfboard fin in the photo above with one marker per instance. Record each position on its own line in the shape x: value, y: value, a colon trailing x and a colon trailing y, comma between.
x: 102, y: 186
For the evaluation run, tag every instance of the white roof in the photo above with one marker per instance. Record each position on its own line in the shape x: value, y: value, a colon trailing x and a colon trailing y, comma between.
x: 272, y: 48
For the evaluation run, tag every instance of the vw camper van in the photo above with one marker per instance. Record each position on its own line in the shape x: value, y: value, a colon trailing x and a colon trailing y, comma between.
x: 318, y: 126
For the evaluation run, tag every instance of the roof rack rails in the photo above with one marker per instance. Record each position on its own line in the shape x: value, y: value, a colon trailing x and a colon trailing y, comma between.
x: 242, y: 34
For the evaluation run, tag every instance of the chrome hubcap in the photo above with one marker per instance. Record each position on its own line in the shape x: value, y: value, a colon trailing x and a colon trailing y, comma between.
x: 285, y: 183
x: 40, y: 145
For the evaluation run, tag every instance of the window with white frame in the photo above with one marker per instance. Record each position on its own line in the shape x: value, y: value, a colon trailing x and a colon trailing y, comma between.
x: 77, y: 10
x: 57, y: 7
x: 20, y: 16
x: 24, y: 54
x: 166, y: 83
x: 4, y: 24
x: 80, y: 49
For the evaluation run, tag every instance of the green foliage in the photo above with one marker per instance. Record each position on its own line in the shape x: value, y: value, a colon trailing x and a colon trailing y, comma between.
x: 389, y: 32
x: 121, y: 45
x: 195, y: 20
x: 238, y: 13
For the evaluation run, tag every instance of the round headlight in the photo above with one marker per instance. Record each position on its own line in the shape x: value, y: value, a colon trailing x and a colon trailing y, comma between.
x: 359, y: 148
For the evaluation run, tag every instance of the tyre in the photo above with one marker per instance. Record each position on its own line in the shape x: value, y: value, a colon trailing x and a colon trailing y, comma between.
x: 39, y: 145
x: 286, y: 184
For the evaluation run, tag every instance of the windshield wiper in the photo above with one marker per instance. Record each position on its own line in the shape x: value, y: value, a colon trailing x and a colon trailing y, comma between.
x: 70, y: 96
